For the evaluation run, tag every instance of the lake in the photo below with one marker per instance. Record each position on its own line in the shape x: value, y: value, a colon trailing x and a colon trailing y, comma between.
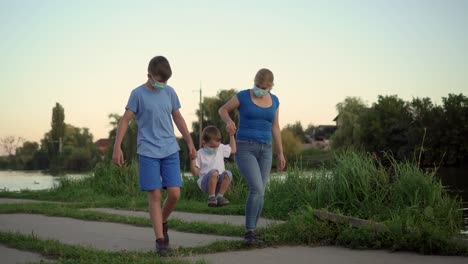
x: 31, y: 180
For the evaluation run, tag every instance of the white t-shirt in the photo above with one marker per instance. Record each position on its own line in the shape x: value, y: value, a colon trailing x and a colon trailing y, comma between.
x: 212, y: 162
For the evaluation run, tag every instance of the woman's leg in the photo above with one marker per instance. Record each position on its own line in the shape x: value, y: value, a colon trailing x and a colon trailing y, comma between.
x: 264, y: 159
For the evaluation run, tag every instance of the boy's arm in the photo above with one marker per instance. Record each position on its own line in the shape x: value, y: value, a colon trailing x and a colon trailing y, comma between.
x: 232, y: 144
x: 117, y: 155
x: 182, y: 127
x: 194, y: 169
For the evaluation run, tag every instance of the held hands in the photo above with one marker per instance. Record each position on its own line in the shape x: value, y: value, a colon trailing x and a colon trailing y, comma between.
x: 231, y: 128
x: 117, y: 157
x: 192, y: 152
x: 281, y: 162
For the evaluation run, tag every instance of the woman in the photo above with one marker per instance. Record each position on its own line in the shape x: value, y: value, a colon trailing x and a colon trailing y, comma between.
x: 258, y: 125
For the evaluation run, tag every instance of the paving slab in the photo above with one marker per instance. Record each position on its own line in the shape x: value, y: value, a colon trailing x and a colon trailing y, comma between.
x: 13, y: 256
x: 101, y: 235
x: 192, y: 217
x: 325, y: 255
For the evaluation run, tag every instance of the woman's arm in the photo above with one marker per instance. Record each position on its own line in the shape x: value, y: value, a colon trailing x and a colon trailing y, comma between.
x: 276, y: 131
x: 224, y: 111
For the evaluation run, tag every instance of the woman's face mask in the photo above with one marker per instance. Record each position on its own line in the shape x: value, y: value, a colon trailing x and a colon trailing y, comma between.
x: 260, y: 92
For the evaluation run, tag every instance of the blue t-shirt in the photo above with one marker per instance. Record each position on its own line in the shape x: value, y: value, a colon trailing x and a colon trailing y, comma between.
x: 156, y: 138
x: 255, y: 122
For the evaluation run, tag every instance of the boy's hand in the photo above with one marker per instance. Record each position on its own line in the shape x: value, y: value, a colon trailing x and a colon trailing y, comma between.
x: 117, y: 157
x: 192, y: 152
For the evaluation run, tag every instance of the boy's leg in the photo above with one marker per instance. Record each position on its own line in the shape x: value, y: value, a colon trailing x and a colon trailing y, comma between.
x: 173, y: 195
x: 172, y: 181
x: 154, y: 201
x: 150, y: 180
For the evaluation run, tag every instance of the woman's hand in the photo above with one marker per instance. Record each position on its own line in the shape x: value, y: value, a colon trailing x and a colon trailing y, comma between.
x: 231, y: 128
x: 281, y: 162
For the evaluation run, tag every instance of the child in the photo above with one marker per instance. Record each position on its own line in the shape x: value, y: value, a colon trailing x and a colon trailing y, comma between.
x: 153, y: 104
x: 213, y: 179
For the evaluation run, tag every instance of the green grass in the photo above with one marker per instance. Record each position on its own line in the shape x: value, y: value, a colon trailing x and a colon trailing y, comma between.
x: 63, y: 253
x: 414, y: 205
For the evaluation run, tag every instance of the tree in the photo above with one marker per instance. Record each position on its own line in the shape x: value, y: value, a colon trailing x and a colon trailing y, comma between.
x: 298, y: 131
x: 347, y: 134
x: 9, y: 144
x: 210, y: 107
x: 57, y: 133
x: 129, y: 143
x: 291, y: 146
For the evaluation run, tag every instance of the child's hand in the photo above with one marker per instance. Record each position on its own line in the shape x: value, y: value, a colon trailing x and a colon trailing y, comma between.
x: 231, y: 128
x: 192, y: 152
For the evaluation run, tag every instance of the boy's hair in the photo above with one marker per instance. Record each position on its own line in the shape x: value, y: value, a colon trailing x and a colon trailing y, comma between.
x: 211, y: 132
x: 159, y: 66
x: 263, y: 75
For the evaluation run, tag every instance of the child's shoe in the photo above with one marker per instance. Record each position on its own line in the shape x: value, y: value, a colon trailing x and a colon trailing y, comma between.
x: 212, y: 202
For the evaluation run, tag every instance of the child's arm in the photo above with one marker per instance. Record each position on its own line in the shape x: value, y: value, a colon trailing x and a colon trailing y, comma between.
x: 117, y: 155
x: 182, y: 127
x: 232, y: 144
x: 194, y: 169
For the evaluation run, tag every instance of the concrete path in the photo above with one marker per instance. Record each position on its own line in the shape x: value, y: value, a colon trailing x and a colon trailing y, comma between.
x: 16, y: 201
x: 102, y: 235
x: 325, y: 255
x: 13, y: 256
x: 192, y: 217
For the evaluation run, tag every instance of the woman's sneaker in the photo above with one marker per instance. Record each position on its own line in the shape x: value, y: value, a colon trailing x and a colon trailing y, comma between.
x: 250, y: 239
x: 222, y: 201
x: 212, y: 202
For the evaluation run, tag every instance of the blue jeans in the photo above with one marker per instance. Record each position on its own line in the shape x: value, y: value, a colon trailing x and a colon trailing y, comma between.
x: 254, y: 162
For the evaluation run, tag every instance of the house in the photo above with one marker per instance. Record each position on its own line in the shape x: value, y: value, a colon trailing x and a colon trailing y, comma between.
x: 102, y: 145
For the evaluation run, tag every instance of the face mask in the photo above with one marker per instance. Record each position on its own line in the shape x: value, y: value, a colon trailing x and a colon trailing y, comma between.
x: 158, y: 85
x: 210, y: 151
x: 259, y: 92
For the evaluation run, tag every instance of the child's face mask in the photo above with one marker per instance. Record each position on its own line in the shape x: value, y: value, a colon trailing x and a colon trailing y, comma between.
x: 210, y: 151
x: 260, y: 92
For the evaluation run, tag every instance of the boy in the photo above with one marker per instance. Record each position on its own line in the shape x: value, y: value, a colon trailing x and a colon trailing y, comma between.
x: 153, y: 104
x: 213, y: 179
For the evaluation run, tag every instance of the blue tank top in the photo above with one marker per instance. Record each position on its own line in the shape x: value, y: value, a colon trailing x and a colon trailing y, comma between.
x: 255, y: 122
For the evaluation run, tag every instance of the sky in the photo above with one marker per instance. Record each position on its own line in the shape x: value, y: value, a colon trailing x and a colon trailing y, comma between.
x: 89, y: 55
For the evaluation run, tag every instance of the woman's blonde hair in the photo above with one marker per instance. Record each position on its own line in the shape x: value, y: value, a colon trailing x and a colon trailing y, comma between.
x: 262, y: 76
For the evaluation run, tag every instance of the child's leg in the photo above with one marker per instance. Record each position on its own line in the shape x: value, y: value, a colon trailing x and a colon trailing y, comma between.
x: 224, y: 184
x: 212, y: 183
x: 173, y: 195
x: 154, y: 201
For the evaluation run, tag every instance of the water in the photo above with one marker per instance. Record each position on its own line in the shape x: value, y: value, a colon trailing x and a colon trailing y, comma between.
x: 31, y: 180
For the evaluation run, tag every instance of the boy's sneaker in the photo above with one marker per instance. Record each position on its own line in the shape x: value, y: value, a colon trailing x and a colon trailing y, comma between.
x: 166, y: 236
x: 212, y: 202
x: 222, y: 201
x: 161, y: 248
x: 250, y: 238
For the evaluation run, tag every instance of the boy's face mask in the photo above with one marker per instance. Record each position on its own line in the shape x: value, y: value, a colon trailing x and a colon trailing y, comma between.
x: 260, y: 92
x: 210, y: 151
x: 157, y: 85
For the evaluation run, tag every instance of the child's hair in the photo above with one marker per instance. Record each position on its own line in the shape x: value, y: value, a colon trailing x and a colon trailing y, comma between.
x: 211, y: 132
x: 262, y: 76
x: 159, y: 66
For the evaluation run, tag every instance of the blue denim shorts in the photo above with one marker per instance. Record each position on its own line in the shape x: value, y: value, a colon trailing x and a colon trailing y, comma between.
x: 159, y: 173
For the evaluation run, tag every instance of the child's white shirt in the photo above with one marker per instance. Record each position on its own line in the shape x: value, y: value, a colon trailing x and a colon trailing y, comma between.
x: 207, y: 162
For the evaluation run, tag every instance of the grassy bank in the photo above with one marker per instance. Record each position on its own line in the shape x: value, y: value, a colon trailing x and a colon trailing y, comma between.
x: 416, y: 208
